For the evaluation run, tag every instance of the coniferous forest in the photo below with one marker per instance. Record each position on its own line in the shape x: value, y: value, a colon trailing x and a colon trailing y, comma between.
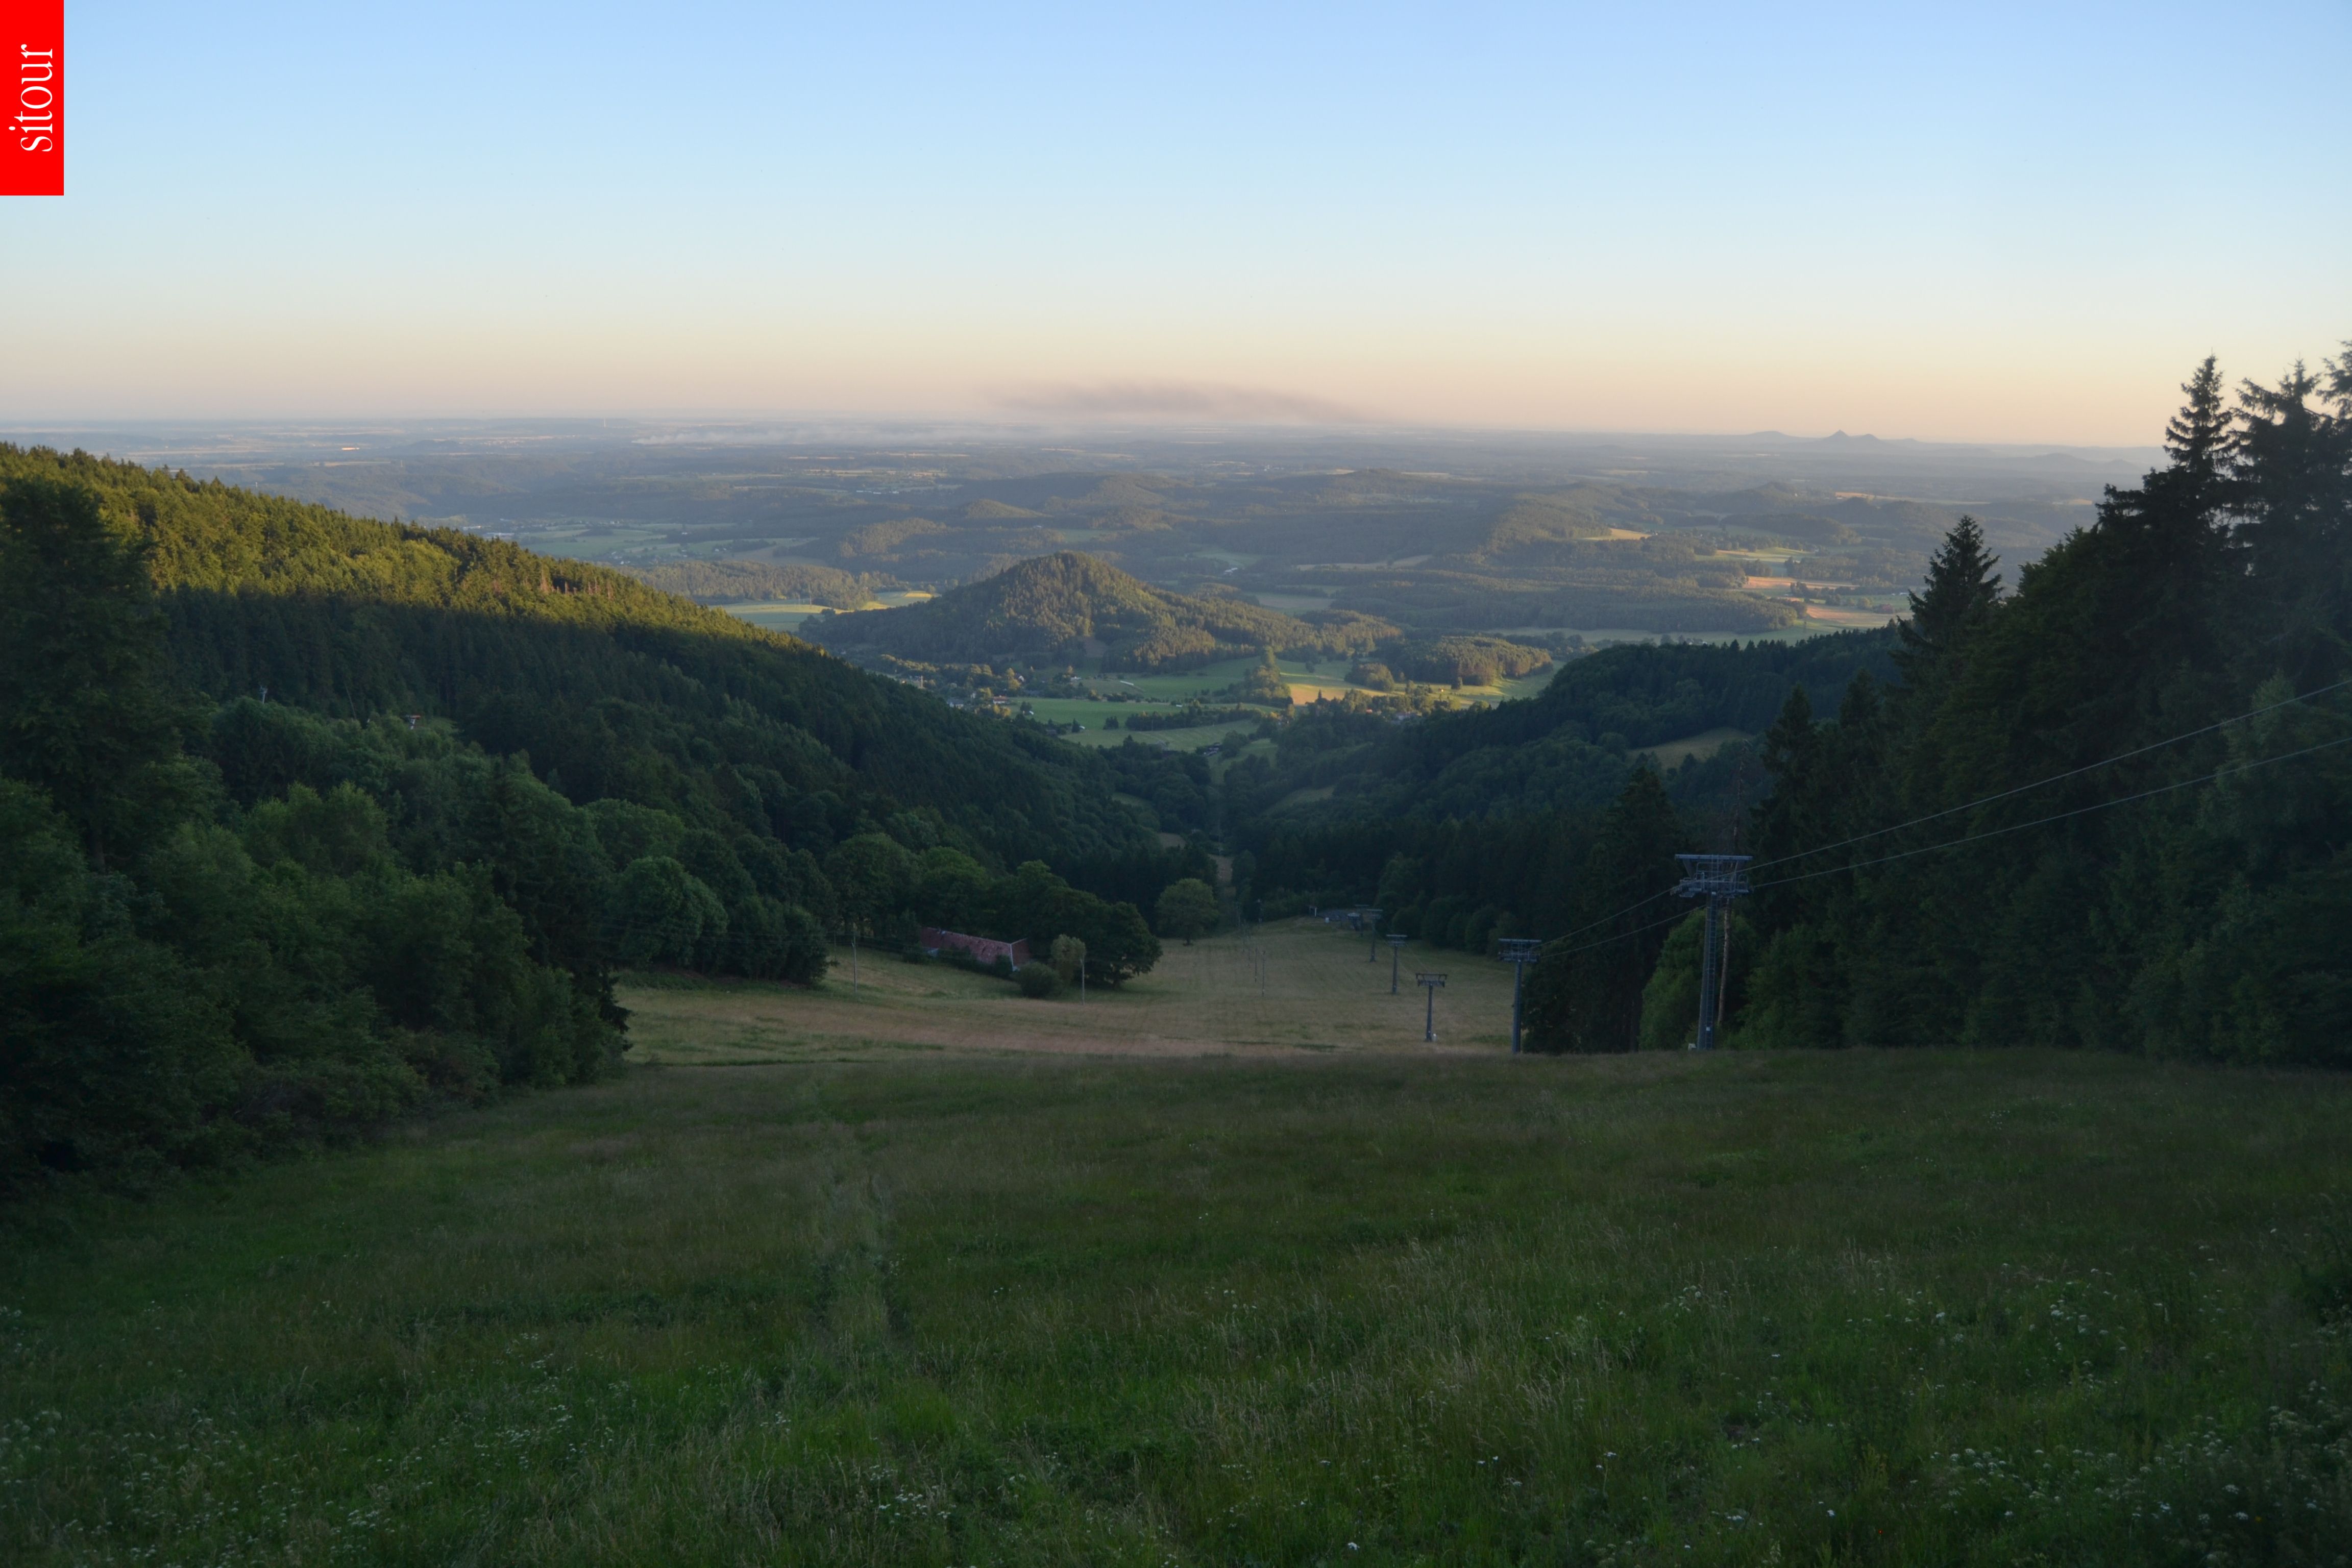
x: 2141, y: 759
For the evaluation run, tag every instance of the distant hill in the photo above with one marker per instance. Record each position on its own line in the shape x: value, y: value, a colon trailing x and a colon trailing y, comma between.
x: 1069, y: 605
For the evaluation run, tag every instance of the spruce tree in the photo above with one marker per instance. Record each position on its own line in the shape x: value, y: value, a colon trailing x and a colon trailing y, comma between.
x: 1961, y: 589
x: 2199, y: 436
x: 2158, y: 560
x: 2293, y: 461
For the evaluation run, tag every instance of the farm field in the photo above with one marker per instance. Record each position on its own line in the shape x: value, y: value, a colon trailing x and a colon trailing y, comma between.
x: 1185, y: 740
x: 593, y: 539
x: 1308, y: 683
x: 1327, y: 676
x: 1202, y: 682
x: 1706, y: 743
x: 786, y: 615
x: 993, y: 1304
x: 1606, y: 636
x: 1839, y: 618
x: 775, y: 615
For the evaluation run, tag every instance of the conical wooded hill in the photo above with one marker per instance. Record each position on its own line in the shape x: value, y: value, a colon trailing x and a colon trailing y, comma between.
x: 1072, y: 604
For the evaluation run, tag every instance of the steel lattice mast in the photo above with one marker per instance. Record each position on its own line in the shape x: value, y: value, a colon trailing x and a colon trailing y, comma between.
x: 1717, y: 878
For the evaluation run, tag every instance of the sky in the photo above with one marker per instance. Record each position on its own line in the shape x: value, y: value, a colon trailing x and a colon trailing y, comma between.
x: 1972, y: 222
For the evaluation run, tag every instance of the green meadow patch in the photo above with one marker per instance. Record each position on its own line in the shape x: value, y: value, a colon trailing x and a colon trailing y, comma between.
x: 1350, y: 1308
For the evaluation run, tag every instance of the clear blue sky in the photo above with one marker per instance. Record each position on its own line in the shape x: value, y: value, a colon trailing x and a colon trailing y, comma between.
x: 1969, y: 221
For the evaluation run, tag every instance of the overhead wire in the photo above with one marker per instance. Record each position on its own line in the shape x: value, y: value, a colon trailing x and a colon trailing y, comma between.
x: 2059, y: 816
x: 1969, y: 806
x: 1621, y: 914
x: 1676, y: 916
x: 2053, y: 778
x: 2217, y: 774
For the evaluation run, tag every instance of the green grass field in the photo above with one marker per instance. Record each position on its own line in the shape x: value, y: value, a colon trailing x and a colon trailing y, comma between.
x: 786, y: 615
x: 775, y: 616
x: 1042, y: 1290
x: 1326, y: 677
x: 1203, y: 682
x: 1288, y: 987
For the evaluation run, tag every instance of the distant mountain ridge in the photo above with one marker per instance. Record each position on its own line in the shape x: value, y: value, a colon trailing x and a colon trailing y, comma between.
x: 1069, y: 605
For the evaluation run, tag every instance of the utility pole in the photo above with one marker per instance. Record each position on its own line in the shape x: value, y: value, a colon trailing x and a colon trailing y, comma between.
x: 1429, y: 1031
x: 1519, y: 952
x: 1717, y: 878
x: 1396, y: 954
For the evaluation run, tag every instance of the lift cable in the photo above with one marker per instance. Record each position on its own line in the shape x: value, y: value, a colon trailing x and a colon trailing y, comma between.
x: 1954, y: 843
x: 2054, y: 778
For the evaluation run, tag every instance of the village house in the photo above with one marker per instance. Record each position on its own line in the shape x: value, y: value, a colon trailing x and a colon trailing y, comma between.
x: 983, y: 950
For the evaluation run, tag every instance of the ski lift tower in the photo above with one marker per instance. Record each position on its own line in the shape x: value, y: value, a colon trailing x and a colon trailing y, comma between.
x: 1396, y: 950
x: 1717, y: 878
x: 1519, y: 952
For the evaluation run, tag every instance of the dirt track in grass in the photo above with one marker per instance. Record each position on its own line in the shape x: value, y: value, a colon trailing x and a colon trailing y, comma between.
x: 1291, y: 986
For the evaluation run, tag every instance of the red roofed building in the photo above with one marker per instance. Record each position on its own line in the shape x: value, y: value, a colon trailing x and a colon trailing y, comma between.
x: 983, y: 949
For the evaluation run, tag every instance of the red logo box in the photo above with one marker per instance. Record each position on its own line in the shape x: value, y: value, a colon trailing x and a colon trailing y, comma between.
x: 33, y: 122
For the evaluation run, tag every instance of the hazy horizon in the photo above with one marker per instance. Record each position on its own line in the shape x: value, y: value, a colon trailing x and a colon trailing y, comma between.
x: 1968, y: 226
x: 730, y: 427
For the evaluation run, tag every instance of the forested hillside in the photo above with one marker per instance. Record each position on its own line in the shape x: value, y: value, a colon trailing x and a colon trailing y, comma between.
x: 2111, y: 808
x: 304, y: 818
x: 613, y: 688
